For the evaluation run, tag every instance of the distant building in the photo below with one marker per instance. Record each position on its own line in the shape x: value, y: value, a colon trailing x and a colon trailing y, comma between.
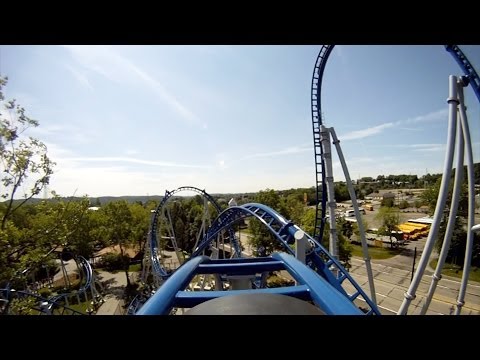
x: 424, y: 220
x: 93, y: 208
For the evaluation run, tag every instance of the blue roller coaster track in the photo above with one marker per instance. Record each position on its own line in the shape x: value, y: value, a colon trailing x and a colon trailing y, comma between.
x: 316, y: 104
x: 56, y: 305
x: 321, y: 280
x: 329, y: 273
x: 323, y: 286
x: 153, y: 241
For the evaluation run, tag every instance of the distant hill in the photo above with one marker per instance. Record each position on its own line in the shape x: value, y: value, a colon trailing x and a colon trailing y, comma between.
x: 246, y: 197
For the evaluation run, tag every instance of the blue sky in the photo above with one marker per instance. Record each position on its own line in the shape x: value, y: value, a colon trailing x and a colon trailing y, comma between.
x: 136, y: 120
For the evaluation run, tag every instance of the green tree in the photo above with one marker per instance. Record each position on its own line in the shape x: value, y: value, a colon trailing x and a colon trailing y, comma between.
x: 295, y: 207
x: 456, y: 252
x: 26, y: 170
x: 308, y: 221
x: 341, y: 192
x: 417, y: 203
x: 390, y: 219
x: 118, y: 229
x: 388, y: 202
x: 22, y: 157
x: 345, y: 228
x: 403, y: 204
x: 356, y: 230
x: 77, y: 226
x: 430, y: 195
x: 344, y: 248
x: 140, y: 224
x: 262, y: 240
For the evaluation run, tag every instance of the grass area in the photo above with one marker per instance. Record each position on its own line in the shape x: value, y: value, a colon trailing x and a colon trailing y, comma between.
x: 73, y: 278
x: 82, y: 307
x: 135, y: 267
x: 131, y: 268
x: 377, y: 253
x: 246, y: 231
x: 457, y: 271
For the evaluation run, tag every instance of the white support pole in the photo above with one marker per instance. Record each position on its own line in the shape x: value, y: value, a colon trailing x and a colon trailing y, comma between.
x: 442, y: 197
x: 300, y: 245
x: 451, y: 220
x: 471, y: 200
x: 361, y: 229
x: 174, y: 240
x: 327, y: 157
x: 146, y: 266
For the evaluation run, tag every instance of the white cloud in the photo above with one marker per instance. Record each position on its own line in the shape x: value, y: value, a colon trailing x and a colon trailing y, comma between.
x: 410, y: 129
x: 360, y: 134
x: 117, y: 68
x: 429, y: 147
x: 287, y: 151
x: 134, y: 161
x: 81, y: 77
x: 433, y: 116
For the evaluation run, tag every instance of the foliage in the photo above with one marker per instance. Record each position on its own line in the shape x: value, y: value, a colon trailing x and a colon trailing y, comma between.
x: 458, y: 243
x: 417, y: 203
x: 388, y: 202
x: 274, y: 281
x: 456, y: 252
x: 113, y: 261
x: 45, y: 293
x: 457, y: 270
x: 118, y: 229
x: 430, y: 195
x: 262, y: 241
x: 356, y: 230
x: 308, y: 221
x: 345, y: 228
x: 23, y: 306
x: 21, y: 157
x: 390, y: 219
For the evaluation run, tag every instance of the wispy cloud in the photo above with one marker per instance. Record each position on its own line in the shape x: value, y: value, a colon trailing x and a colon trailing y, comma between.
x: 430, y: 117
x: 117, y: 68
x: 433, y: 147
x: 412, y: 145
x: 135, y: 161
x: 81, y: 78
x: 360, y: 134
x: 287, y: 151
x: 429, y: 147
x: 433, y: 116
x: 410, y: 129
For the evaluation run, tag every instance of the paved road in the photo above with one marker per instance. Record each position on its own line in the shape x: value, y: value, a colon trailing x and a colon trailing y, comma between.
x: 392, y: 278
x: 391, y: 284
x: 114, y: 285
